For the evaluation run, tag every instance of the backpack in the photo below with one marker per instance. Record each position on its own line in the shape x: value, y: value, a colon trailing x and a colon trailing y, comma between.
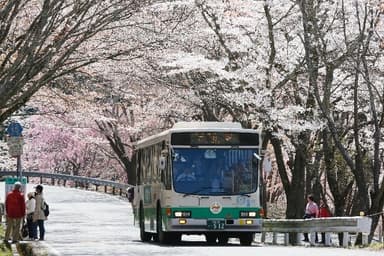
x: 24, y: 230
x: 46, y: 209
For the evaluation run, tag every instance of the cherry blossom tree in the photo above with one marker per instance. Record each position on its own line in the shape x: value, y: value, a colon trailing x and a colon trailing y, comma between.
x: 301, y: 54
x: 64, y: 141
x: 308, y: 72
x: 355, y: 61
x: 42, y: 41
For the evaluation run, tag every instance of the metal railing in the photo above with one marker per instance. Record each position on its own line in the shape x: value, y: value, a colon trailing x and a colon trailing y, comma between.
x: 86, y: 181
x: 344, y: 225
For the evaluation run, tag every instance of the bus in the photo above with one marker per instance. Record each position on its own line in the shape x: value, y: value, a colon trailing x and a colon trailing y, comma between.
x: 198, y: 178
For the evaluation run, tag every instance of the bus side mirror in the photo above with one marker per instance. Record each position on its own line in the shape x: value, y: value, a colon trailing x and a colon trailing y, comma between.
x: 162, y: 162
x: 130, y: 194
x: 255, y: 158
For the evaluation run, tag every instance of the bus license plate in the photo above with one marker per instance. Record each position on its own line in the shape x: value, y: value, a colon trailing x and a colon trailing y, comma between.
x: 215, y: 224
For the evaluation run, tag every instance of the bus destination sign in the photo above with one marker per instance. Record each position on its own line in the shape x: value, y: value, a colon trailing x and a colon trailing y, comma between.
x: 215, y: 138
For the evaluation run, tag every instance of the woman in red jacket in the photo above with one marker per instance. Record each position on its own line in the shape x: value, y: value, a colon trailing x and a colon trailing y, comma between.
x: 323, y: 213
x: 15, y: 212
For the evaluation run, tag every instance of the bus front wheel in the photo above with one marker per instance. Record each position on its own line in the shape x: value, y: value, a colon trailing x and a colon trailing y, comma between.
x: 246, y: 239
x: 211, y: 238
x: 144, y: 236
x: 223, y: 239
x: 162, y: 236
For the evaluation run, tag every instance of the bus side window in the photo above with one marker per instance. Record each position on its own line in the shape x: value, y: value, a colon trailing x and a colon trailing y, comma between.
x: 167, y: 172
x: 138, y: 168
x: 130, y: 194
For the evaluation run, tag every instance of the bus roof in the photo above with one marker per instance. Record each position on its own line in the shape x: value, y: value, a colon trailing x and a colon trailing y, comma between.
x: 193, y: 127
x: 205, y: 125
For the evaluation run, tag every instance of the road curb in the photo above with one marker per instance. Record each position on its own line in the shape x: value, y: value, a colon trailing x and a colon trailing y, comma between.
x: 37, y: 248
x: 15, y: 252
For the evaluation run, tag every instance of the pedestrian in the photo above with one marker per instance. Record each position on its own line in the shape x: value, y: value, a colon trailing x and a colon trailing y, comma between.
x: 15, y: 213
x: 323, y: 213
x: 31, y: 205
x: 311, y: 211
x: 38, y: 215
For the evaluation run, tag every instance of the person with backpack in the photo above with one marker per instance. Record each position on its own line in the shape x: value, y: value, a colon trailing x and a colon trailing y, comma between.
x: 31, y: 205
x: 38, y: 215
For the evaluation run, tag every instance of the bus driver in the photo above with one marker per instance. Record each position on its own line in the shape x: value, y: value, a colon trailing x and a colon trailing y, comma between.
x: 187, y: 175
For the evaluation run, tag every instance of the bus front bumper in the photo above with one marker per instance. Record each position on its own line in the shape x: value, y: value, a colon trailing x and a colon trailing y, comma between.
x: 214, y: 225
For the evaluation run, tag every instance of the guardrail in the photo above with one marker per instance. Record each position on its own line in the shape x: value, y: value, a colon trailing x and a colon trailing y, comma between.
x: 122, y: 188
x: 344, y: 225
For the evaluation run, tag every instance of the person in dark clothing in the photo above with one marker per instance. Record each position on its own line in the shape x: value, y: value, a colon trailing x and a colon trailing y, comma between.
x: 31, y: 205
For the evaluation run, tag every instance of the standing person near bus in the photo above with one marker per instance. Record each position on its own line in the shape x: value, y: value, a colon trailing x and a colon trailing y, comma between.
x: 311, y: 211
x: 323, y: 213
x: 38, y: 215
x: 15, y: 212
x: 31, y: 205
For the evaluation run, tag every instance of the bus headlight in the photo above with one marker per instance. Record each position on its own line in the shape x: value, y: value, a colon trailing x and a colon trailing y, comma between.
x: 182, y: 214
x: 244, y: 214
x: 182, y: 221
x: 249, y: 222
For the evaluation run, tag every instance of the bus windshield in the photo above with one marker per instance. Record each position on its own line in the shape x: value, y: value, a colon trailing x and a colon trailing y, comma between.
x: 214, y: 171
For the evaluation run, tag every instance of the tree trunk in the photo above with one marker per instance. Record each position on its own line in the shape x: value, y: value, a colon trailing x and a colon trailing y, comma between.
x: 294, y: 189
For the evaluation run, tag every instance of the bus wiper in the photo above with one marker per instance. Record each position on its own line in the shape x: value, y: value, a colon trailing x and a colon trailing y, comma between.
x: 195, y: 192
x: 245, y: 194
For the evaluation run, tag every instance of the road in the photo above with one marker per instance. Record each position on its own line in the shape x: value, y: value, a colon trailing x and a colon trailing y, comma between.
x: 83, y: 223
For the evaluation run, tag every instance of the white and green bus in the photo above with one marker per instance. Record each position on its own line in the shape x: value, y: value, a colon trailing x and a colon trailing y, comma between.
x: 199, y: 178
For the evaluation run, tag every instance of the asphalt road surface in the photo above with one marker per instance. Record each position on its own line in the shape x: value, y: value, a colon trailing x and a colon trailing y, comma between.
x: 90, y: 223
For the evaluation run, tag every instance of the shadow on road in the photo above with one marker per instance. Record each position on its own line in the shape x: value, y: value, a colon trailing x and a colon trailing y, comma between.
x: 196, y: 244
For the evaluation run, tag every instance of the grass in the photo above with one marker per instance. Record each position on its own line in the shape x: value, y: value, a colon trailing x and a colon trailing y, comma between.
x: 5, y: 250
x: 376, y: 246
